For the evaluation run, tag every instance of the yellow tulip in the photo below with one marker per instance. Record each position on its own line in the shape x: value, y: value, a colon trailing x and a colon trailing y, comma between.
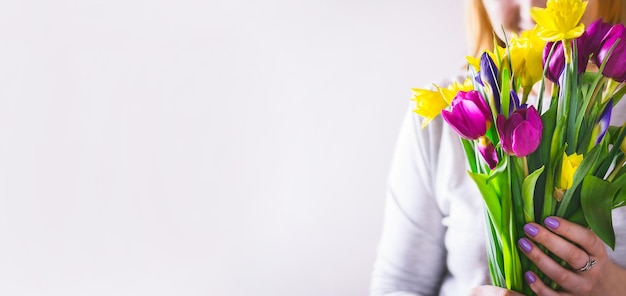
x: 429, y: 104
x: 526, y: 57
x: 560, y: 20
x: 568, y: 168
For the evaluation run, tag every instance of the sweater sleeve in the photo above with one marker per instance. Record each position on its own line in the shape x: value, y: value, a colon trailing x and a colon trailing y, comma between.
x: 411, y: 254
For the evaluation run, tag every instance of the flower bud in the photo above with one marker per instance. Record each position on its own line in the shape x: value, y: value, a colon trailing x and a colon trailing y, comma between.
x: 469, y: 116
x: 520, y: 134
x: 488, y: 152
x: 556, y: 64
x: 568, y: 169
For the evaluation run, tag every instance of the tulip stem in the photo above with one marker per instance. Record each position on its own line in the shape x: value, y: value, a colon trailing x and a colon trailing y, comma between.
x: 617, y: 169
x: 525, y: 166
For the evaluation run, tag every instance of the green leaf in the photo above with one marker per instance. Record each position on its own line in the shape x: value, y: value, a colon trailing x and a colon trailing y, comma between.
x: 505, y: 96
x: 597, y: 201
x: 620, y: 198
x: 500, y: 169
x: 614, y: 154
x: 470, y: 154
x: 558, y: 138
x: 541, y: 157
x: 578, y: 217
x: 491, y: 194
x: 528, y: 193
x: 614, y: 132
x: 494, y: 254
x: 542, y: 154
x: 591, y: 78
x: 582, y: 134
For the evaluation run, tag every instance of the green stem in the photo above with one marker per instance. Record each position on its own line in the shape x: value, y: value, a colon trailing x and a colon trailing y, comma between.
x: 611, y: 87
x: 616, y: 170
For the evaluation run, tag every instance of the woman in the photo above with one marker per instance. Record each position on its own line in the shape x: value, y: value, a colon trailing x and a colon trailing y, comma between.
x: 433, y: 237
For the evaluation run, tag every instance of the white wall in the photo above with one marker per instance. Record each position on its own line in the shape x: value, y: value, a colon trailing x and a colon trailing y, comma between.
x: 205, y: 147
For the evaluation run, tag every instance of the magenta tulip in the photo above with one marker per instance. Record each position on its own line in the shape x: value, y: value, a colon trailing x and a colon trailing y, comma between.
x: 520, y: 134
x: 469, y: 116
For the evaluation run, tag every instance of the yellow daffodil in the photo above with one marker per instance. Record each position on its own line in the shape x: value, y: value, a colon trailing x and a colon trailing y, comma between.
x: 560, y: 20
x: 526, y: 57
x: 450, y: 92
x: 429, y: 104
x: 568, y: 168
x: 474, y: 62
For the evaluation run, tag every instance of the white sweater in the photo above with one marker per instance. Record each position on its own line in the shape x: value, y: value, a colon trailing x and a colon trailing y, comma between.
x: 433, y: 240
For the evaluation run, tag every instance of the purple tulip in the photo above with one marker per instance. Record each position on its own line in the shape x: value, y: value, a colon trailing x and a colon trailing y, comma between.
x: 596, y: 32
x: 469, y: 116
x: 520, y: 134
x: 557, y: 60
x: 488, y: 152
x: 615, y: 66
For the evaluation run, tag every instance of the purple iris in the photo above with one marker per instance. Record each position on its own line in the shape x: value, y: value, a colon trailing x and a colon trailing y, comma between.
x: 514, y: 102
x: 489, y: 74
x: 603, y: 123
x: 615, y: 66
x: 469, y: 116
x: 557, y: 60
x: 520, y: 134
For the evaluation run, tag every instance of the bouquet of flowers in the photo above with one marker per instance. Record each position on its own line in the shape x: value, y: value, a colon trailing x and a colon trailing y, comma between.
x: 552, y: 153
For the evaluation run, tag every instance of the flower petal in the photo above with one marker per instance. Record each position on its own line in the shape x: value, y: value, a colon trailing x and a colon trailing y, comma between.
x: 488, y: 152
x: 526, y: 139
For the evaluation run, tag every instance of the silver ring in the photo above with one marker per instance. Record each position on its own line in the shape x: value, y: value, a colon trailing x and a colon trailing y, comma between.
x: 587, y: 266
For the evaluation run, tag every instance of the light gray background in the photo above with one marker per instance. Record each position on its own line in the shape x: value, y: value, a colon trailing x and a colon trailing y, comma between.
x: 205, y: 147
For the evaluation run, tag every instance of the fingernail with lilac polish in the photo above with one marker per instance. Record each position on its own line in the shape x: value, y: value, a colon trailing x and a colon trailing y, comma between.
x: 525, y: 245
x: 530, y: 277
x: 531, y: 230
x: 551, y: 222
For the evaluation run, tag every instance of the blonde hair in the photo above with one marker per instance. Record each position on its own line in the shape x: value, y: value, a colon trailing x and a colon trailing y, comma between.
x: 480, y: 34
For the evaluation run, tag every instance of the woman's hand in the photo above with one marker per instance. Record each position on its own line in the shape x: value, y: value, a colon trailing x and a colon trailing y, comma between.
x: 593, y: 272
